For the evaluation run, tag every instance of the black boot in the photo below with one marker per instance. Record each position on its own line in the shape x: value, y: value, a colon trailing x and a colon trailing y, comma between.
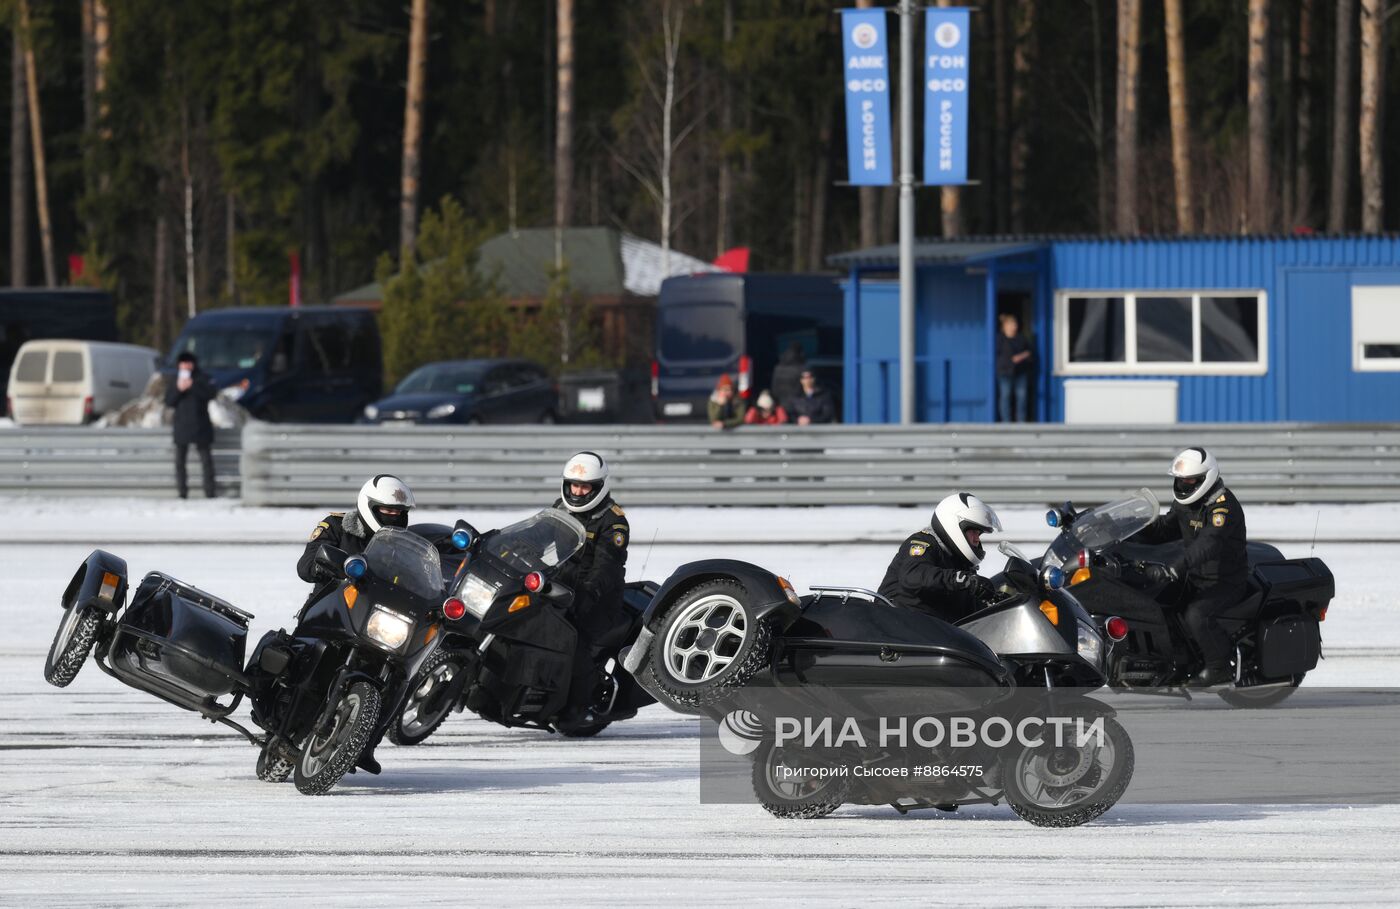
x: 367, y: 763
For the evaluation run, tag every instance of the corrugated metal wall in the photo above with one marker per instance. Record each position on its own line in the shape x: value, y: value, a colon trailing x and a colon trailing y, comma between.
x: 1307, y: 281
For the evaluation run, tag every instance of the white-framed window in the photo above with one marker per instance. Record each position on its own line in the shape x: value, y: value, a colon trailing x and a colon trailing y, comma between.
x: 1375, y: 328
x: 1161, y: 332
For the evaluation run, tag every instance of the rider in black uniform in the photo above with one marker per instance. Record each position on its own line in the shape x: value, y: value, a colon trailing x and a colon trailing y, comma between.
x: 1209, y: 520
x: 936, y: 568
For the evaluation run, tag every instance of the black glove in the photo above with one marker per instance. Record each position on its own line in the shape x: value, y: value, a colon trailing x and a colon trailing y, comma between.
x: 978, y: 586
x: 1158, y: 573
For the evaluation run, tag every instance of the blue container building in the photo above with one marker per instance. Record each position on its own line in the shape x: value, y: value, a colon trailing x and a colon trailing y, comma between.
x: 1190, y: 329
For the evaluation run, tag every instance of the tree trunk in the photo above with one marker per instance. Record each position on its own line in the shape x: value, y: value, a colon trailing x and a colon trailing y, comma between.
x: 1302, y: 178
x: 799, y: 213
x: 1181, y: 120
x: 949, y: 197
x: 1288, y: 112
x: 724, y: 231
x: 564, y: 118
x: 1260, y: 214
x: 159, y: 285
x: 1369, y: 135
x: 187, y: 178
x: 36, y: 137
x: 1104, y: 178
x: 413, y: 127
x: 672, y: 21
x: 821, y: 188
x: 89, y: 66
x: 19, y: 167
x: 1129, y: 53
x: 101, y: 60
x: 1024, y: 62
x: 1340, y: 164
x: 231, y: 247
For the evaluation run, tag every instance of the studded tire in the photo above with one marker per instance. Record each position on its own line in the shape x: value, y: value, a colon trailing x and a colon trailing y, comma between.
x: 71, y: 644
x: 804, y: 800
x: 693, y: 668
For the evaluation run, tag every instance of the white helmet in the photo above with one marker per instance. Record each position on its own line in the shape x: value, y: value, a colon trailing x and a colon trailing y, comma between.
x: 384, y: 502
x: 585, y: 467
x: 1196, y: 473
x: 958, y: 514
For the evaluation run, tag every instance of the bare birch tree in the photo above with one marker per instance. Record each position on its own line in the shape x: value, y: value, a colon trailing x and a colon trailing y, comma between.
x: 1181, y: 120
x: 564, y: 121
x: 1259, y: 214
x: 19, y: 164
x: 1340, y: 165
x: 36, y: 137
x: 413, y: 126
x: 1126, y: 146
x: 1373, y: 15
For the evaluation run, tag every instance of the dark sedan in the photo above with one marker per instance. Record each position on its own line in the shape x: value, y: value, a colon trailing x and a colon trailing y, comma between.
x: 469, y: 391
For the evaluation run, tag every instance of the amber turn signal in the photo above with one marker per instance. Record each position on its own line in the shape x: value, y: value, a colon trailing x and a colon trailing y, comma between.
x: 1052, y: 612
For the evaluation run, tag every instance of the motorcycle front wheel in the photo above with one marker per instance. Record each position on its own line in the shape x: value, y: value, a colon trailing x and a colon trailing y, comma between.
x: 326, y: 758
x: 427, y: 706
x: 1065, y: 786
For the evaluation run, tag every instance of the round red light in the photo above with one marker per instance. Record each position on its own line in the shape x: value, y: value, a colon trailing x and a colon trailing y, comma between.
x: 1083, y: 558
x: 1117, y: 628
x: 534, y: 581
x: 454, y: 608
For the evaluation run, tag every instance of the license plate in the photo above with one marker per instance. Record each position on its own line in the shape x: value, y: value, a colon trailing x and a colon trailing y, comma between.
x: 590, y: 400
x: 676, y: 409
x: 398, y: 423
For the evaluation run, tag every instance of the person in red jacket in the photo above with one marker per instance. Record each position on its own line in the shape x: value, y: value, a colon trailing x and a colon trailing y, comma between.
x: 766, y: 411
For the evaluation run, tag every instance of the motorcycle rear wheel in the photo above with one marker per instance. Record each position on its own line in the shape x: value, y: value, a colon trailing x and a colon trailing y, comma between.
x: 413, y: 726
x: 1256, y: 696
x: 273, y: 769
x: 324, y: 760
x: 71, y: 644
x: 794, y: 799
x: 1066, y: 787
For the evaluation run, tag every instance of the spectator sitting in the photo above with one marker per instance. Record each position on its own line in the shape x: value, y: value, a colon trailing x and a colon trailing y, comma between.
x: 724, y: 409
x: 813, y: 404
x: 766, y: 412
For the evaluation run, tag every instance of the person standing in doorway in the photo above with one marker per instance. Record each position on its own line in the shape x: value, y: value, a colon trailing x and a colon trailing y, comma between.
x: 189, y: 394
x: 1013, y: 369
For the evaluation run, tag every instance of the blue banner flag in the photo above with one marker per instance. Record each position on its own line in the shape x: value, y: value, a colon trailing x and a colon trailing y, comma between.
x: 946, y: 77
x: 869, y: 152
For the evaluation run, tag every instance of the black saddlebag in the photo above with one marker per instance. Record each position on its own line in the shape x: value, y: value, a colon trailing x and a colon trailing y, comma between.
x: 180, y: 642
x: 1289, y: 646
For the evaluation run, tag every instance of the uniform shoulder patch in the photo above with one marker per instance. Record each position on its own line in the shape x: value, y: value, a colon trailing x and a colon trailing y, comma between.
x: 320, y: 529
x: 917, y: 549
x: 617, y: 510
x: 1218, y: 519
x: 1221, y: 497
x: 619, y: 539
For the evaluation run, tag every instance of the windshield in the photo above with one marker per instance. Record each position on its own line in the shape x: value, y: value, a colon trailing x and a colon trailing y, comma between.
x: 700, y: 331
x: 538, y: 542
x: 451, y: 379
x: 405, y: 560
x: 232, y: 347
x: 1101, y: 527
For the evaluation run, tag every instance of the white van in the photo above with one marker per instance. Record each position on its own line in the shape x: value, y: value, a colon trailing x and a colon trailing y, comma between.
x: 55, y: 381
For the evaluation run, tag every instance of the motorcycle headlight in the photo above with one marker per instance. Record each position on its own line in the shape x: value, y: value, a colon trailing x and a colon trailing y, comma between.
x: 1090, y: 644
x: 478, y: 595
x: 442, y: 410
x: 388, y: 629
x: 371, y: 411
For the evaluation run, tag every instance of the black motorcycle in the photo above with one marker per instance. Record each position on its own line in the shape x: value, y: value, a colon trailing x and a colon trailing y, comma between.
x: 508, y: 652
x: 719, y: 627
x: 1275, y: 628
x: 318, y: 694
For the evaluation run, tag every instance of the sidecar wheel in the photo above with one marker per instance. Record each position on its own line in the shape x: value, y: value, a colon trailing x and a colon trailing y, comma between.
x: 421, y: 716
x: 71, y: 644
x: 273, y: 769
x: 708, y: 644
x: 789, y: 798
x: 1066, y: 787
x: 324, y: 760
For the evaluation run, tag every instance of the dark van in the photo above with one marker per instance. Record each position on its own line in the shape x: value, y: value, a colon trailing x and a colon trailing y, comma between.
x: 710, y: 324
x: 308, y: 364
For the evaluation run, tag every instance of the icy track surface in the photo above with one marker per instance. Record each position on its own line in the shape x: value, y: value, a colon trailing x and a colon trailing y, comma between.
x: 111, y: 797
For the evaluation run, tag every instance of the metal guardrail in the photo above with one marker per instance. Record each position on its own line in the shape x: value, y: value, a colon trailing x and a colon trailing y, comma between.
x: 88, y: 461
x: 880, y: 465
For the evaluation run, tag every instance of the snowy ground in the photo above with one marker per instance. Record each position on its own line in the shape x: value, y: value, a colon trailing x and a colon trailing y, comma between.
x: 110, y: 797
